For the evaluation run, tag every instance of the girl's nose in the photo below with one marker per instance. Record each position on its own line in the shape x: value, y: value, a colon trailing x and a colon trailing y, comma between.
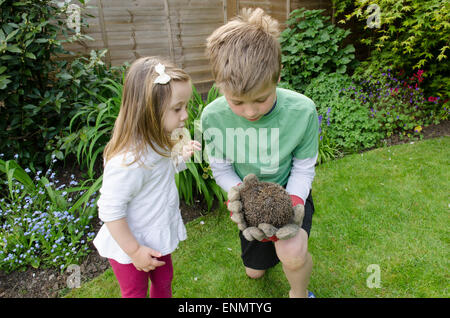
x: 184, y: 115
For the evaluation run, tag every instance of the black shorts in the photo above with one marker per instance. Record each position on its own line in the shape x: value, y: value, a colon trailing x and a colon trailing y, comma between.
x: 262, y: 255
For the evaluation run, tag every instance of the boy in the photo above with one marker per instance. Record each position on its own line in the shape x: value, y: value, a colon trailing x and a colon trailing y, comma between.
x: 259, y: 128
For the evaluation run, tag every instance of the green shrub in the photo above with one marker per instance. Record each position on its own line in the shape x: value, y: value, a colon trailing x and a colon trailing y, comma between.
x: 399, y: 106
x: 413, y: 35
x: 349, y: 126
x: 44, y: 223
x: 33, y: 108
x: 310, y: 46
x: 39, y: 91
x: 88, y: 83
x: 91, y: 126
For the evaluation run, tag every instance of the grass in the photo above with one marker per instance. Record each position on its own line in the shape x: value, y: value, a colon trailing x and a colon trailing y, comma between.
x: 388, y: 207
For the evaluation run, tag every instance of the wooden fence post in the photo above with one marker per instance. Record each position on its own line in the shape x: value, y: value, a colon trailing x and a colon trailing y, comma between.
x: 169, y: 31
x: 288, y: 8
x: 101, y: 20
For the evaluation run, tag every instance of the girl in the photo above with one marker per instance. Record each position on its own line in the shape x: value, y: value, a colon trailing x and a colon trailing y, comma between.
x: 139, y: 202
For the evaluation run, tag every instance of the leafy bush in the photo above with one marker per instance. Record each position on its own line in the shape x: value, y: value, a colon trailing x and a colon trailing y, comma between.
x: 91, y: 126
x: 399, y: 106
x: 44, y: 224
x: 349, y: 126
x: 413, y: 35
x: 88, y: 83
x: 31, y: 104
x: 311, y: 46
x: 40, y: 91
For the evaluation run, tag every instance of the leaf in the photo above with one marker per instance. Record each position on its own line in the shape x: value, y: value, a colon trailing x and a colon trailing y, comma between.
x: 64, y: 76
x: 349, y: 49
x: 30, y: 55
x: 85, y: 197
x: 11, y: 35
x: 324, y: 37
x: 13, y: 49
x: 341, y: 69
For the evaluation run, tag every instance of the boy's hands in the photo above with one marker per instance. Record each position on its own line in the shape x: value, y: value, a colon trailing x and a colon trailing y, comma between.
x: 188, y: 150
x: 143, y: 259
x: 264, y: 232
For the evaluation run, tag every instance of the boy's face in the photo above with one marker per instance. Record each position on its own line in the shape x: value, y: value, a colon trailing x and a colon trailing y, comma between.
x: 255, y: 105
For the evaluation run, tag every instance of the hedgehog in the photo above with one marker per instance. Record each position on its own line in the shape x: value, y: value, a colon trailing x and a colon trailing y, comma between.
x: 263, y: 210
x: 265, y: 202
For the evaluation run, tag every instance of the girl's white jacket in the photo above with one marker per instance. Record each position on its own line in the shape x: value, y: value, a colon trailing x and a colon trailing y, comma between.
x: 147, y: 196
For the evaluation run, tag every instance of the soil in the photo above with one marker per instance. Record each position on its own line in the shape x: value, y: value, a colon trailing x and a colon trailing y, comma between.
x: 50, y: 283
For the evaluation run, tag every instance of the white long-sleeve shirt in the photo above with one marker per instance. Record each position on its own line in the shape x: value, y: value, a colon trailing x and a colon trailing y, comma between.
x: 147, y: 196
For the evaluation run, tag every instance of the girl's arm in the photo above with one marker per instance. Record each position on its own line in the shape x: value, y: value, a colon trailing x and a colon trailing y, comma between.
x: 142, y: 256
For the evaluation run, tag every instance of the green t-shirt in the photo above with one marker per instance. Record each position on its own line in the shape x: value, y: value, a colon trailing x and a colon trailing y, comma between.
x: 264, y: 147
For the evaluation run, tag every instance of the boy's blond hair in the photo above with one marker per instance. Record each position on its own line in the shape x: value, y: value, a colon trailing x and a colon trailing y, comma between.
x: 142, y: 110
x: 245, y: 54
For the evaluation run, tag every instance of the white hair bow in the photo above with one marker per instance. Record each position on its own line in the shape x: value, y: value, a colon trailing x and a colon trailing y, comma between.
x: 163, y: 78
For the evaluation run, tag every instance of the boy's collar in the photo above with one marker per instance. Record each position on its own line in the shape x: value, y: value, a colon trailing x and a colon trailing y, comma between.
x: 273, y: 107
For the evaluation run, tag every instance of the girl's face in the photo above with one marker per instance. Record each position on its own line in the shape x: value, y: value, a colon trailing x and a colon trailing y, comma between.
x: 253, y: 107
x: 176, y: 114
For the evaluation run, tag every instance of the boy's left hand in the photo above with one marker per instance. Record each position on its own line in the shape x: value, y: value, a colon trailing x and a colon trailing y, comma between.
x: 188, y: 150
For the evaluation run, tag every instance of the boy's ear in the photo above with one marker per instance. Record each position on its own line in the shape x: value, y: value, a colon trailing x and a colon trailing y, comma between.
x: 279, y: 77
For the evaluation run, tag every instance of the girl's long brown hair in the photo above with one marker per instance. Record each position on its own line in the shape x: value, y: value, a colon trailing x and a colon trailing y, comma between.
x: 140, y: 119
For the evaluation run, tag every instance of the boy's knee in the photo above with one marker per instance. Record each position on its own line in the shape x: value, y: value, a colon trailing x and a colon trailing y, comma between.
x: 254, y: 273
x: 296, y: 262
x: 293, y: 253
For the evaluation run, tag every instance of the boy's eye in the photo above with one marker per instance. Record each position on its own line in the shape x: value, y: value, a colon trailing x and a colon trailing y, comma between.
x: 237, y: 103
x: 262, y: 100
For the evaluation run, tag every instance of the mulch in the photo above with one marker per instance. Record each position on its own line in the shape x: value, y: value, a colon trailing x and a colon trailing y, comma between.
x: 51, y: 283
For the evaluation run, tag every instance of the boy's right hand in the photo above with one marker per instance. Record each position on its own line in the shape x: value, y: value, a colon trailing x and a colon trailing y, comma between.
x: 144, y: 259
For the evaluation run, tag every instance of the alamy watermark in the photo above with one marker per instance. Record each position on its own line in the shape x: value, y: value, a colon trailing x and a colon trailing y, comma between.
x: 374, y: 279
x: 240, y: 145
x: 73, y: 12
x: 374, y: 19
x: 74, y: 279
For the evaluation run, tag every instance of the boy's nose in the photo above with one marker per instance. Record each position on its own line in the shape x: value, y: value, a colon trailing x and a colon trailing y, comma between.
x: 251, y: 113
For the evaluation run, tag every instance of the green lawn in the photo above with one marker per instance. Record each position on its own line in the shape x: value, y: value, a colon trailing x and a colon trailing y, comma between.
x: 388, y: 207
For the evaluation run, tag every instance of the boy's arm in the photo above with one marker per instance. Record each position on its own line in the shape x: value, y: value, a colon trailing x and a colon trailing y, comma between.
x: 301, y: 178
x: 224, y: 174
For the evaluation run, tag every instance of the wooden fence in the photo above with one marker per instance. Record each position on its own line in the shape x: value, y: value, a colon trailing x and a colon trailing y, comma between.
x: 176, y: 29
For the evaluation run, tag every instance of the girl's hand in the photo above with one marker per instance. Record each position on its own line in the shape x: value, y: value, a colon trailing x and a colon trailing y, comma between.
x: 143, y: 259
x: 189, y: 149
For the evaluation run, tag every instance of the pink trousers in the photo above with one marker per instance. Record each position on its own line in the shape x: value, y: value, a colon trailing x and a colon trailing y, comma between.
x: 134, y: 283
